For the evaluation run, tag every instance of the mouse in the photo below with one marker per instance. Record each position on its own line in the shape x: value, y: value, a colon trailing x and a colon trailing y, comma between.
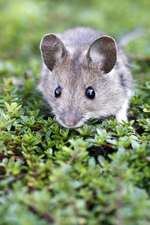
x: 85, y: 75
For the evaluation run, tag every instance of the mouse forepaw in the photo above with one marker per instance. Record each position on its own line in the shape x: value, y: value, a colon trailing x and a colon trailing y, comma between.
x: 121, y: 115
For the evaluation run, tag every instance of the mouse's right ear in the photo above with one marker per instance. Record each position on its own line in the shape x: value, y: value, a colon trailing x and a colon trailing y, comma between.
x: 103, y: 52
x: 52, y: 50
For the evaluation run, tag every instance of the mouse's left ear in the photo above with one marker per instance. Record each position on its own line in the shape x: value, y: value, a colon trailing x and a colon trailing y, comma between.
x: 103, y: 52
x: 52, y: 49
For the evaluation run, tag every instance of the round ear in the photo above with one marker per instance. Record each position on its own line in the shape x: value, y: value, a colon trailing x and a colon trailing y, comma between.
x: 103, y: 51
x: 52, y: 50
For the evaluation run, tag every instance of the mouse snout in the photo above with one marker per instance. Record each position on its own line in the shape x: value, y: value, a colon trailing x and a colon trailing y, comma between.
x: 71, y: 119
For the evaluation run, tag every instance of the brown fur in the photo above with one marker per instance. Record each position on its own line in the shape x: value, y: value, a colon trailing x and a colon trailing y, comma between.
x: 74, y: 72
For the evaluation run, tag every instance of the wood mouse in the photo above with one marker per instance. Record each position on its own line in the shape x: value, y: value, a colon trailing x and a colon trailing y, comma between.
x: 85, y: 75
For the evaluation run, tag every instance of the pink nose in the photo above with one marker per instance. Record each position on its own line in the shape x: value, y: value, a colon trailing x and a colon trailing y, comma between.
x: 71, y: 118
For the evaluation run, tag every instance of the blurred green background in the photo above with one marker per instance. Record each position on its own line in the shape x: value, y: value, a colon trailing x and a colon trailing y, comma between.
x: 22, y: 23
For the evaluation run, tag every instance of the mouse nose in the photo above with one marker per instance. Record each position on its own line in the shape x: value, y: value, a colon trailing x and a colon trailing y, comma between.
x: 71, y: 119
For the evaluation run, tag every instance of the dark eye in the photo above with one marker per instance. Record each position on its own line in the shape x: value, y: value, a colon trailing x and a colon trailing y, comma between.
x: 58, y: 91
x: 90, y: 93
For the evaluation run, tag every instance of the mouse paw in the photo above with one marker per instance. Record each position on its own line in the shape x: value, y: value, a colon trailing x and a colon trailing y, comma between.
x: 122, y: 113
x: 120, y: 117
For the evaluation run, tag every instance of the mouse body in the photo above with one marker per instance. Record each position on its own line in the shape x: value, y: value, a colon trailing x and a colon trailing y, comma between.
x: 85, y: 75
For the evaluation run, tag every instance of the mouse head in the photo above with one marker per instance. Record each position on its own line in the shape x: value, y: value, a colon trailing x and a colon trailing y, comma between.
x: 76, y: 81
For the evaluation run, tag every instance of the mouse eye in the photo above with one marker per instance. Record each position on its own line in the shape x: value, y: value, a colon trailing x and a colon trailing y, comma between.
x: 58, y: 91
x: 90, y: 93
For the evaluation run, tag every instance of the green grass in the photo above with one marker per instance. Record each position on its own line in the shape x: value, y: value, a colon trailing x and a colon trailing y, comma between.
x: 97, y: 174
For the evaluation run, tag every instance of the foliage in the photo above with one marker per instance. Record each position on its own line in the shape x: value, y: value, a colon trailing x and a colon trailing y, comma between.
x: 96, y: 174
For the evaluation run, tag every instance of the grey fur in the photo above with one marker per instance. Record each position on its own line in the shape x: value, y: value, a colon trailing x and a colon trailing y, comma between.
x: 73, y: 71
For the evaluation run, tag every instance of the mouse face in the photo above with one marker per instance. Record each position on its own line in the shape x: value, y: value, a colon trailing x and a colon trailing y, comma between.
x: 76, y: 84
